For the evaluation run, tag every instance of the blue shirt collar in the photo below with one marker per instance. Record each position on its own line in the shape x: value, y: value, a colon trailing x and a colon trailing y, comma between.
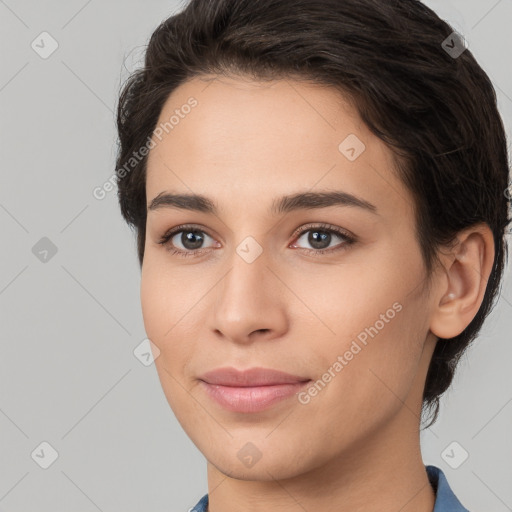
x: 446, y: 501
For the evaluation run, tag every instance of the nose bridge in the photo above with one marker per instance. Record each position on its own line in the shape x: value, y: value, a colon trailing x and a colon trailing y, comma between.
x: 246, y: 299
x: 244, y: 286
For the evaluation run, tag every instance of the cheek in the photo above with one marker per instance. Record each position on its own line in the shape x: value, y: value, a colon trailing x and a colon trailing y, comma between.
x: 161, y: 323
x: 369, y: 386
x: 164, y: 313
x: 368, y: 302
x: 171, y: 310
x: 377, y: 321
x: 153, y: 305
x: 163, y: 300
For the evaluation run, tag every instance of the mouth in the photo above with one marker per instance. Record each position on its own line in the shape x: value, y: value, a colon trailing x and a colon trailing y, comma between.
x: 249, y: 399
x: 252, y: 390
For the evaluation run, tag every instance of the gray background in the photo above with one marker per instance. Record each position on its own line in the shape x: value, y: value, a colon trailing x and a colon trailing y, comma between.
x: 70, y: 324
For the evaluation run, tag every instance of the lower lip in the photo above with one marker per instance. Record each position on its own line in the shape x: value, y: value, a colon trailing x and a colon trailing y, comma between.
x: 251, y: 399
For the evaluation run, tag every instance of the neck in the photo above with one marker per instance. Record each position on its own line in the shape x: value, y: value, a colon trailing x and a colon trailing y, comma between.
x: 385, y: 473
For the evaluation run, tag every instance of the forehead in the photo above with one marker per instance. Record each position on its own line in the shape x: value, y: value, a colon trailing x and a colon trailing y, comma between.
x: 254, y: 140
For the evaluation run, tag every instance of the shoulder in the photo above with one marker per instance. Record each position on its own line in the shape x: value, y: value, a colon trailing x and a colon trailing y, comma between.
x: 201, y: 505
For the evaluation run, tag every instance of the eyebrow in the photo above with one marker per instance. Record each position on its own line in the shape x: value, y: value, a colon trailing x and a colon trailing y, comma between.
x: 284, y: 204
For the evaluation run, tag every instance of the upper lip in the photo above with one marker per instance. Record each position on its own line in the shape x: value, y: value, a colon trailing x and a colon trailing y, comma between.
x: 230, y: 376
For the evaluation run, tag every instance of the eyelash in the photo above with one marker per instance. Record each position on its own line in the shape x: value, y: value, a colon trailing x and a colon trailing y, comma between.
x: 324, y: 228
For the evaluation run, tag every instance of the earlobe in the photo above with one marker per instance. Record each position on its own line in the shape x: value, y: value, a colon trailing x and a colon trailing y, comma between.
x: 463, y: 282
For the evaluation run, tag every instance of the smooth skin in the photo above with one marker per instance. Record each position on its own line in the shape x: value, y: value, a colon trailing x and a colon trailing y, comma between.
x: 355, y: 446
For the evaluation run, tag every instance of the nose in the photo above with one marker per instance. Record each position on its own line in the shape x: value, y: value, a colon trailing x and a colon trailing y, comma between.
x: 250, y: 301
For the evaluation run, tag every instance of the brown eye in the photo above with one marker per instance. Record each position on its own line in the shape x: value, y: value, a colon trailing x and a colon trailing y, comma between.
x: 190, y: 240
x: 320, y: 238
x: 184, y: 240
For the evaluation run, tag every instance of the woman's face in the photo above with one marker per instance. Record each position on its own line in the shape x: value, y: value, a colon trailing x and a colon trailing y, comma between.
x: 246, y: 289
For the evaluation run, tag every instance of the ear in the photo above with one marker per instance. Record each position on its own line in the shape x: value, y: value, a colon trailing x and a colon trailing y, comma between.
x: 466, y: 268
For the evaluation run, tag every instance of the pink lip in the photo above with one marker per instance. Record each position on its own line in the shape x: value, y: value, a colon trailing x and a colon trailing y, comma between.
x: 251, y: 390
x: 230, y: 376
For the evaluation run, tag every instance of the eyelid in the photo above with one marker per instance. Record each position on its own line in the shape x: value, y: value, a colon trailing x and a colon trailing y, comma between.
x: 321, y: 226
x: 183, y: 227
x: 170, y: 233
x: 347, y: 238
